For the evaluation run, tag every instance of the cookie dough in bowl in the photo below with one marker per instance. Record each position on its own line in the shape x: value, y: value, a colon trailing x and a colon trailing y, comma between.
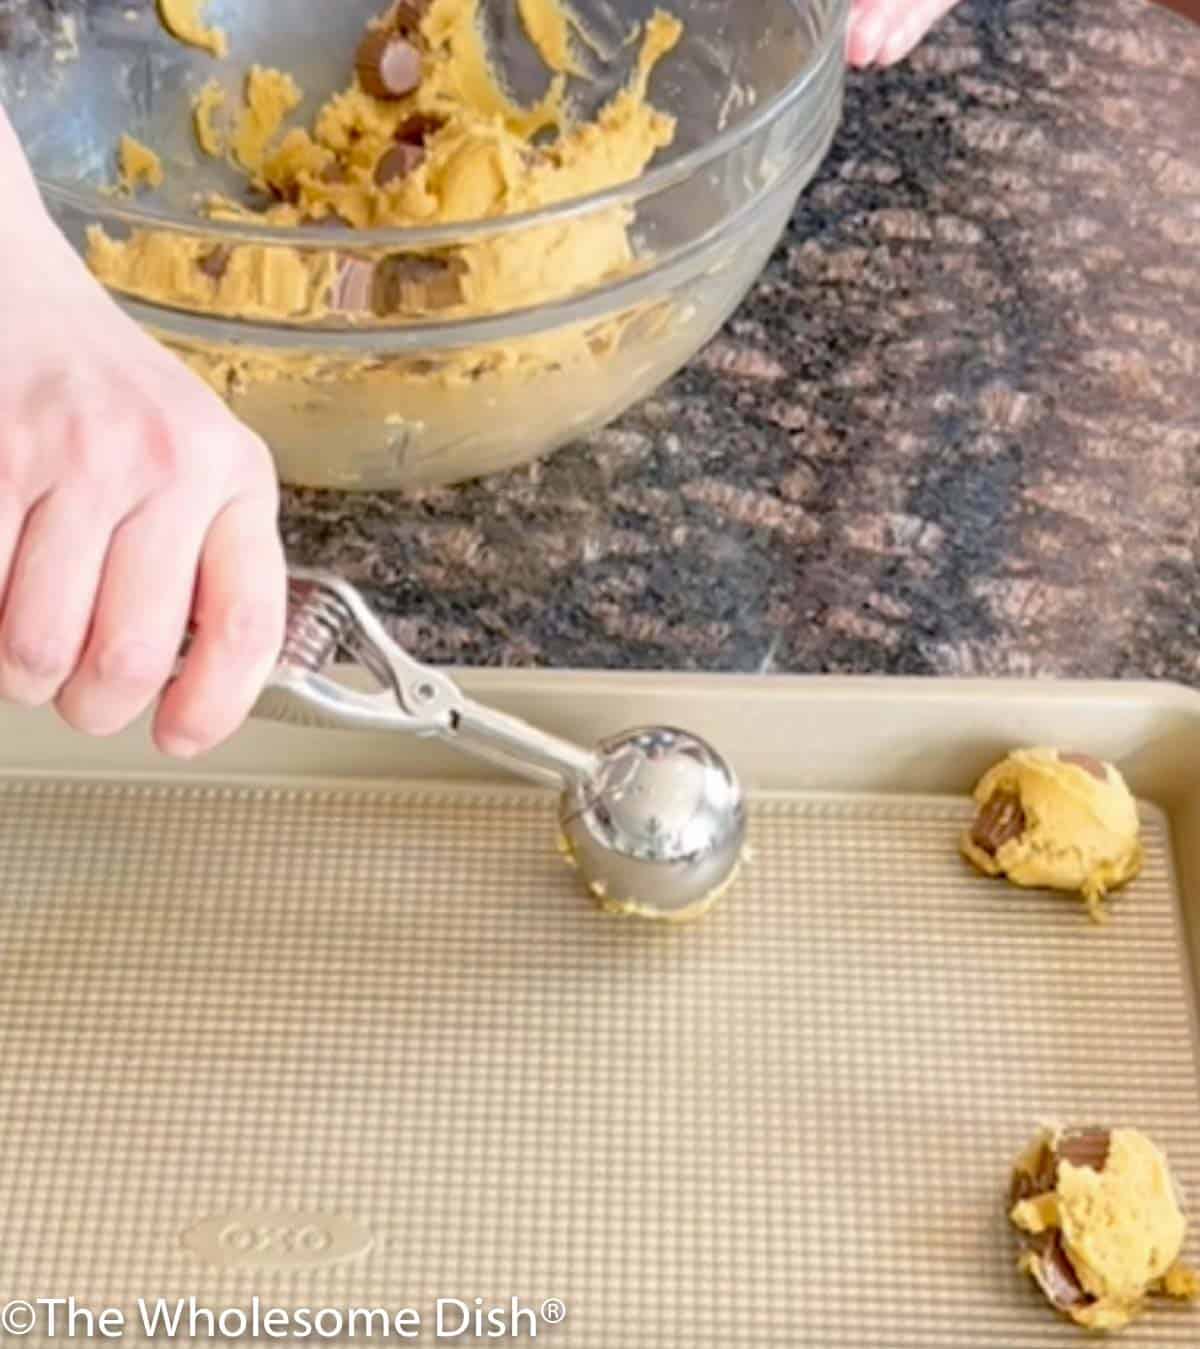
x: 417, y: 244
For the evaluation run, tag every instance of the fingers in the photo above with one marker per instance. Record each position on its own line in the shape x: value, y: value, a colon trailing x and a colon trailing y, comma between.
x: 238, y: 616
x: 140, y: 517
x: 882, y: 32
x: 129, y: 492
x: 870, y: 23
x: 916, y: 23
x: 140, y: 618
x: 51, y: 590
x: 12, y: 519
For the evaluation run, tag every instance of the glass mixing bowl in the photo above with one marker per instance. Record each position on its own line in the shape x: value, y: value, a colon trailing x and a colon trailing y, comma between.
x: 352, y: 401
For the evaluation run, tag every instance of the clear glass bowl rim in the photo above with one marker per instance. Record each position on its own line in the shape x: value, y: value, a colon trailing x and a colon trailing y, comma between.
x: 100, y: 209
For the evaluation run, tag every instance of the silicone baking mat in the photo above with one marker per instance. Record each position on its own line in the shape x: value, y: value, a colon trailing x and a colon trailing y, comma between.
x: 359, y: 1047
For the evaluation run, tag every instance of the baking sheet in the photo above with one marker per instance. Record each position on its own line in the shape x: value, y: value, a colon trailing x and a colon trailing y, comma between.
x: 346, y: 1043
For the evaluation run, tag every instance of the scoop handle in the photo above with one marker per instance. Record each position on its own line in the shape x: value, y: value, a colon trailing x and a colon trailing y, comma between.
x: 519, y: 747
x: 325, y: 615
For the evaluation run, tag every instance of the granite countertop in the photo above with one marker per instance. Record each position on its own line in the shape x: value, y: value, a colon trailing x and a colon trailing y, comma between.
x: 954, y: 429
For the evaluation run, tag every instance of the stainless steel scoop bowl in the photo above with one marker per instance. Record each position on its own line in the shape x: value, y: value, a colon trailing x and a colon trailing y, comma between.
x: 657, y: 832
x: 654, y: 818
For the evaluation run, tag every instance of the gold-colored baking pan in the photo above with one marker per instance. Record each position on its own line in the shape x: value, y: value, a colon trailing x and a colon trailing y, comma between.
x: 323, y: 1023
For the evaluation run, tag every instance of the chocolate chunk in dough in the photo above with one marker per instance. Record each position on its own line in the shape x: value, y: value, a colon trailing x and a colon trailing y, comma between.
x: 405, y: 16
x: 354, y: 286
x: 1039, y: 1178
x: 1050, y: 1264
x: 405, y: 284
x: 1078, y: 1147
x: 1086, y: 762
x: 1055, y: 1274
x: 999, y: 820
x: 415, y: 129
x: 397, y: 163
x: 400, y: 284
x: 388, y: 66
x: 1085, y: 1147
x: 216, y: 263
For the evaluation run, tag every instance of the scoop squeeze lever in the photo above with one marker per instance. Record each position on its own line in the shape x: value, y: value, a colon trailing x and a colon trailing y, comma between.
x: 653, y: 818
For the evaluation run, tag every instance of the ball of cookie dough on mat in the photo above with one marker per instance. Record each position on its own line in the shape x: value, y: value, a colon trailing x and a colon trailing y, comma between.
x: 1058, y: 820
x: 1100, y: 1224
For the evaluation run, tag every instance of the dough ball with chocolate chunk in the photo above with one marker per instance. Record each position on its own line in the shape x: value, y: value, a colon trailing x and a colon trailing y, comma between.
x: 1056, y: 819
x: 1100, y: 1224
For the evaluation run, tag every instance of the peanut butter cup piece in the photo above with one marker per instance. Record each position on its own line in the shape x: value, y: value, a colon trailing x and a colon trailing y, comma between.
x: 388, y: 65
x: 999, y: 820
x: 405, y: 283
x: 1050, y: 1264
x: 1055, y: 1274
x: 353, y: 288
x: 1036, y: 1179
x: 404, y: 16
x: 216, y: 263
x: 397, y: 163
x: 1085, y: 1147
x: 416, y: 129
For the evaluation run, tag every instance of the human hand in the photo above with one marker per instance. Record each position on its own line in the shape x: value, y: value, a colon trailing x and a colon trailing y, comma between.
x: 883, y: 32
x: 131, y: 500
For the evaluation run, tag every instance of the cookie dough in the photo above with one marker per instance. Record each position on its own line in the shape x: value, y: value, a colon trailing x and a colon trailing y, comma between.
x: 637, y: 908
x: 205, y: 106
x: 633, y: 908
x: 1100, y: 1224
x: 1056, y: 819
x: 271, y: 96
x: 139, y: 165
x: 553, y: 31
x: 182, y: 19
x: 455, y: 148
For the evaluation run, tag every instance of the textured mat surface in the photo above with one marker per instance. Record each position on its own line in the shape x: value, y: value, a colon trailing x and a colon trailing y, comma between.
x: 356, y: 1047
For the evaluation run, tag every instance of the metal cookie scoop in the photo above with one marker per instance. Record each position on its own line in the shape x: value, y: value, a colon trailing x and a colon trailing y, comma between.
x: 654, y: 818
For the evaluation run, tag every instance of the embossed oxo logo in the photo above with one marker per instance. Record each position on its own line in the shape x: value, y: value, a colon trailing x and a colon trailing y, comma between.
x: 276, y: 1240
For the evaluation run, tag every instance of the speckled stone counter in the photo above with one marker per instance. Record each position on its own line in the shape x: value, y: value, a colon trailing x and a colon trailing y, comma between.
x: 954, y: 430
